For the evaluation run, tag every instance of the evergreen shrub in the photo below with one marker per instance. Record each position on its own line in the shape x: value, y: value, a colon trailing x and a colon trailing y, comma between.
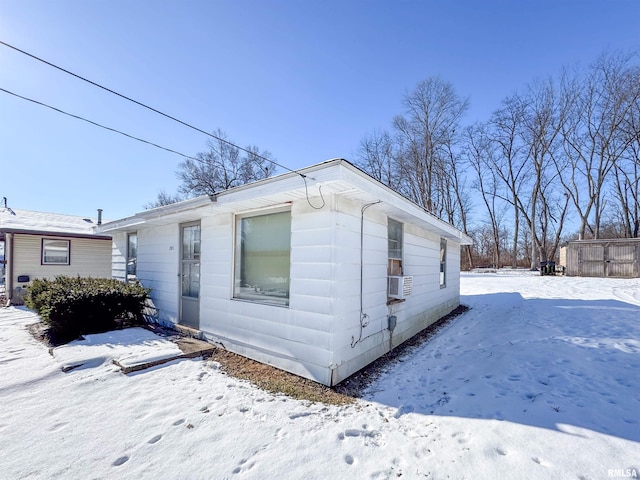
x: 73, y: 306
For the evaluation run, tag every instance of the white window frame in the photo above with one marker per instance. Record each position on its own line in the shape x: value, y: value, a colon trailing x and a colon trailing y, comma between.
x: 244, y: 293
x: 43, y: 251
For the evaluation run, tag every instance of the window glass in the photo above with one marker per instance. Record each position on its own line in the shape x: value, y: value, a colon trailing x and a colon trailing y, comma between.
x: 443, y: 262
x: 394, y: 235
x: 263, y: 258
x: 132, y: 256
x: 55, y: 252
x: 191, y: 261
x: 191, y: 243
x: 395, y: 239
x: 191, y: 279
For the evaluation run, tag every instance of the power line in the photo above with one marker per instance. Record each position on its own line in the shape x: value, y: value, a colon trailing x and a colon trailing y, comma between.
x: 147, y: 107
x: 98, y: 124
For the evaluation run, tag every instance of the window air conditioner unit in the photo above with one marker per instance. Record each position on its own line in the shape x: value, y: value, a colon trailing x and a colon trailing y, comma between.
x: 400, y: 287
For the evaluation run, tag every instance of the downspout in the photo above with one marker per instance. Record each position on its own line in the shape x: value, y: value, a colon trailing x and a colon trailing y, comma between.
x: 364, y: 318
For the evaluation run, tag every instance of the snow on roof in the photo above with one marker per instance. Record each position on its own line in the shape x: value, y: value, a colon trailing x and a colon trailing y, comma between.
x: 12, y: 219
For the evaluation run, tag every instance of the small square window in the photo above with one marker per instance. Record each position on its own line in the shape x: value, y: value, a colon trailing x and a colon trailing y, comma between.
x: 55, y: 252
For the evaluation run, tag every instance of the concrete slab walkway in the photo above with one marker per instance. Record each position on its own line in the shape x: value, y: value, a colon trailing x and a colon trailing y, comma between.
x: 190, y: 347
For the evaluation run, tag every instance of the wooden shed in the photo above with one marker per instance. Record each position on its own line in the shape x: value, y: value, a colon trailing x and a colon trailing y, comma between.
x: 619, y: 257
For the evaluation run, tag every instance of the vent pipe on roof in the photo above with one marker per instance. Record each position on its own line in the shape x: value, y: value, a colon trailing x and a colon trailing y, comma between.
x: 99, y: 216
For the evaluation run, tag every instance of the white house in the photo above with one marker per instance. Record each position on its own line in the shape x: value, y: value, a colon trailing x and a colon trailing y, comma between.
x: 45, y: 245
x: 318, y: 272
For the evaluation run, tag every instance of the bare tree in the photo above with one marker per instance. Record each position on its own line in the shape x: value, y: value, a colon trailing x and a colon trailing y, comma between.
x: 542, y: 121
x: 627, y: 174
x: 377, y: 156
x: 594, y: 139
x: 479, y: 155
x: 221, y: 167
x: 546, y: 153
x: 433, y: 111
x: 508, y: 161
x: 627, y: 168
x: 163, y: 199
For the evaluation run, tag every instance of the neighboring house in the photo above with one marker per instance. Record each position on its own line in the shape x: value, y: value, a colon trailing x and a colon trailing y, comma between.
x: 44, y: 245
x: 618, y: 257
x: 318, y: 272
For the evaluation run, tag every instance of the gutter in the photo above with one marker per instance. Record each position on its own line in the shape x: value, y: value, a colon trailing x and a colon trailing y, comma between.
x: 49, y: 233
x: 159, y: 212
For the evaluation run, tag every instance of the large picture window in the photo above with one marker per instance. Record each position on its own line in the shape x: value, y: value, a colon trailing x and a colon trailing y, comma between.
x: 263, y: 258
x: 55, y: 252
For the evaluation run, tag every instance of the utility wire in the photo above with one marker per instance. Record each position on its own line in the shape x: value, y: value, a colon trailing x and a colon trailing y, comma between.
x: 148, y: 108
x: 98, y: 124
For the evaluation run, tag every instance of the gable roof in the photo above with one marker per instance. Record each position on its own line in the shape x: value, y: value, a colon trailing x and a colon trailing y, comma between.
x: 43, y: 223
x: 333, y: 176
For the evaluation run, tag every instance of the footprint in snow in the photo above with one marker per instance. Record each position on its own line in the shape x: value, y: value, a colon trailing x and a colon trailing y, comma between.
x: 243, y: 466
x: 58, y: 426
x: 178, y: 422
x: 349, y: 459
x: 403, y: 410
x: 370, y: 437
x: 293, y: 416
x: 155, y: 439
x: 120, y: 461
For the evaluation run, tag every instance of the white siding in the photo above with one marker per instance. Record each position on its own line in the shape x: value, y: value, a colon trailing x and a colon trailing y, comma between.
x: 119, y: 256
x: 297, y: 338
x: 89, y: 258
x: 313, y: 336
x: 427, y: 303
x: 158, y: 267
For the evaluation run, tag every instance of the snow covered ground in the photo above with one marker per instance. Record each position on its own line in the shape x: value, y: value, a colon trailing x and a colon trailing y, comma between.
x: 541, y: 379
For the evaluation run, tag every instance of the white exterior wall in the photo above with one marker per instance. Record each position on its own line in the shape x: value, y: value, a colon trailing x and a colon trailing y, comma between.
x: 297, y: 338
x: 157, y: 267
x: 313, y: 336
x: 119, y: 256
x: 427, y: 303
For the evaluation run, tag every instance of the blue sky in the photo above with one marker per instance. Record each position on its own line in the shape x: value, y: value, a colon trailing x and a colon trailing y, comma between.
x: 306, y: 80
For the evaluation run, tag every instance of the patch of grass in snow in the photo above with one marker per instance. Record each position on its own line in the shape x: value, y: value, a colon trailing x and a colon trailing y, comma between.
x: 277, y: 381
